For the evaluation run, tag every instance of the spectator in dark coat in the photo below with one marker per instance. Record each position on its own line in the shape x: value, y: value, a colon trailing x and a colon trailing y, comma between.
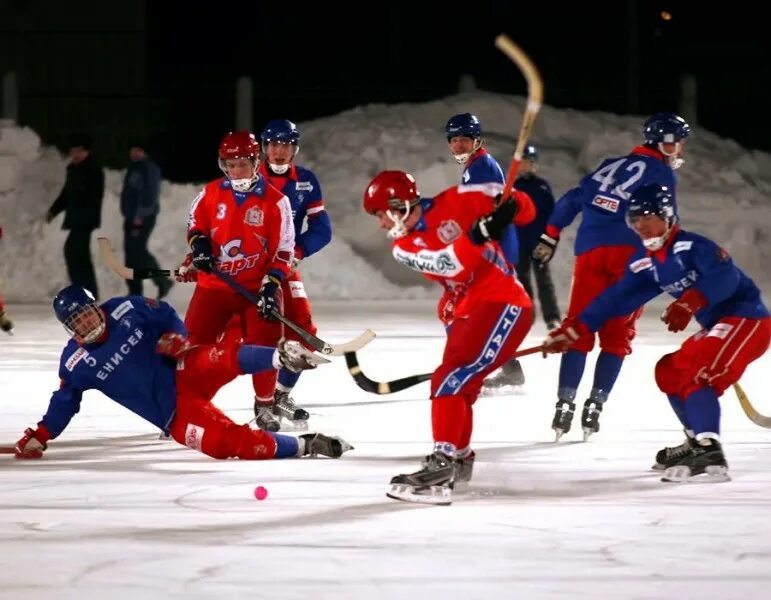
x: 140, y: 205
x: 81, y: 201
x: 540, y: 191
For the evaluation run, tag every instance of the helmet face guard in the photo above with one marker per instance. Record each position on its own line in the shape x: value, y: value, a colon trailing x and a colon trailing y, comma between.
x: 395, y: 194
x: 665, y: 130
x: 281, y: 131
x: 76, y: 309
x: 240, y: 144
x: 652, y: 200
x: 464, y: 125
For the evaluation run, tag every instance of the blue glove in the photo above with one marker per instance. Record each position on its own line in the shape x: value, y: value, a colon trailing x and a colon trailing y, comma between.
x: 266, y: 298
x: 202, y: 256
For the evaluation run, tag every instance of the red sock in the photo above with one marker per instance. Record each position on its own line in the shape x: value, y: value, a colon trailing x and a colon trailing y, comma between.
x: 450, y: 416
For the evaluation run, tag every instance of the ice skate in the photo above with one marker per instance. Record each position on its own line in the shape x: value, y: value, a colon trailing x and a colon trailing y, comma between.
x: 563, y: 418
x: 508, y: 380
x: 295, y: 357
x: 319, y: 444
x: 264, y: 417
x: 671, y: 455
x: 5, y: 323
x: 290, y: 416
x: 704, y: 458
x: 432, y: 484
x: 590, y: 417
x: 464, y: 469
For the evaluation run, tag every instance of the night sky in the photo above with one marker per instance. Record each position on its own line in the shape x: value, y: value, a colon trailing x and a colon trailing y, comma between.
x: 319, y: 60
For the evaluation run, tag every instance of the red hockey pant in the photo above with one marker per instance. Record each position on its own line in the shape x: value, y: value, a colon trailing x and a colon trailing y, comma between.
x: 208, y: 314
x: 297, y: 308
x: 715, y: 358
x: 202, y: 426
x: 476, y: 346
x: 594, y: 272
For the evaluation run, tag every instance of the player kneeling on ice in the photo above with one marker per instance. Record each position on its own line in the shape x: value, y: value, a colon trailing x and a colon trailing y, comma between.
x: 134, y: 350
x: 736, y: 327
x: 453, y: 239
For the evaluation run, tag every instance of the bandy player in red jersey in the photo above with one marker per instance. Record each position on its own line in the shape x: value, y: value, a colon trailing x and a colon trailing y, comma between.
x: 453, y: 239
x: 241, y: 225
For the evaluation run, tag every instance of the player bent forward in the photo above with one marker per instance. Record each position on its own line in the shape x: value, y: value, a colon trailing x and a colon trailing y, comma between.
x: 736, y: 327
x: 134, y: 350
x: 453, y: 239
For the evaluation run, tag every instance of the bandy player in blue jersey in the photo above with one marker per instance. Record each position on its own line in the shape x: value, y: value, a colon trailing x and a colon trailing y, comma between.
x: 708, y: 287
x: 604, y: 243
x: 135, y: 351
x: 482, y: 173
x: 280, y: 144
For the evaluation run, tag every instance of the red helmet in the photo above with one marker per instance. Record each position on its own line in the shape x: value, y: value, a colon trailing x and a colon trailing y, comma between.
x: 391, y: 190
x: 239, y: 144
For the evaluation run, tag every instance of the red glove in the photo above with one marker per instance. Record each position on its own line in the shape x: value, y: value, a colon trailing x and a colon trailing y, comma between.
x: 678, y: 314
x: 560, y: 339
x: 173, y: 345
x: 187, y: 272
x: 33, y: 443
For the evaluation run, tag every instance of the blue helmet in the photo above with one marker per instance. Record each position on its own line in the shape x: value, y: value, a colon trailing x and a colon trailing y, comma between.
x: 665, y: 128
x: 464, y: 124
x: 280, y: 130
x: 530, y: 153
x: 653, y: 199
x: 70, y: 305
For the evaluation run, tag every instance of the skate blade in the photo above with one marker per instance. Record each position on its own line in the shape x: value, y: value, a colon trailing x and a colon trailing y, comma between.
x: 682, y: 474
x: 289, y: 426
x: 436, y: 495
x: 503, y: 390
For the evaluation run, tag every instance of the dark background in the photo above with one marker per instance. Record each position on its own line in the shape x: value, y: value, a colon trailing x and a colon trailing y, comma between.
x: 165, y: 71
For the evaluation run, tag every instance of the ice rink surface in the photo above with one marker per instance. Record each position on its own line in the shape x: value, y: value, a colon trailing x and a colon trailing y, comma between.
x: 113, y: 512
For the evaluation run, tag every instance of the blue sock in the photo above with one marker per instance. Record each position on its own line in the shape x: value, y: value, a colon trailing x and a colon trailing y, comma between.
x: 288, y: 378
x: 605, y: 374
x: 702, y: 410
x: 253, y: 359
x: 679, y: 408
x: 286, y: 445
x: 571, y: 369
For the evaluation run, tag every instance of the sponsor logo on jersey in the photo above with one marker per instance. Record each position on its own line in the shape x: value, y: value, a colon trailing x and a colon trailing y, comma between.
x: 253, y: 216
x: 606, y: 203
x: 77, y: 356
x: 448, y: 232
x: 231, y: 260
x: 442, y: 262
x: 304, y: 186
x: 681, y: 284
x: 641, y: 265
x: 121, y: 309
x: 194, y: 436
x: 116, y: 359
x: 681, y: 246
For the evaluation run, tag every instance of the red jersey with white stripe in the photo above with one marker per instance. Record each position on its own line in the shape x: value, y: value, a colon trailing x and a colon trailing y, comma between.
x: 251, y: 232
x: 440, y: 248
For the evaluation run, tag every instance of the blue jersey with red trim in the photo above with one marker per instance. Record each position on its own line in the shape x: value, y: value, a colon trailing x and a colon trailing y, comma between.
x: 124, y: 366
x: 602, y: 198
x: 302, y: 188
x: 687, y: 261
